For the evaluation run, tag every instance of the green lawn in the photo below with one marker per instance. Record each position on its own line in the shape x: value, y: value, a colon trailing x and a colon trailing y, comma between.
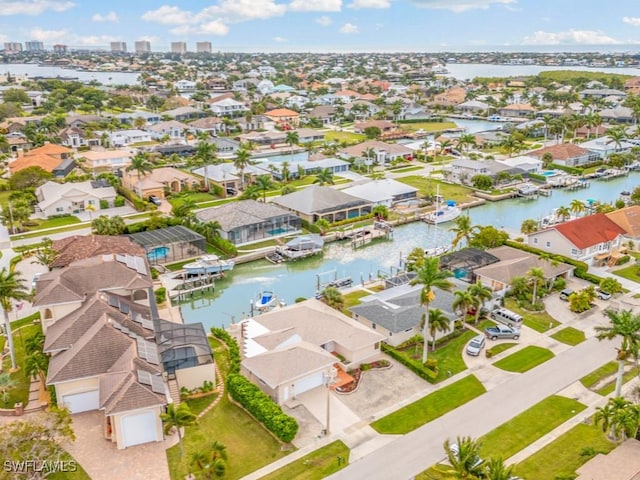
x: 249, y: 445
x: 611, y: 386
x: 428, y: 126
x: 272, y: 242
x: 525, y: 359
x: 353, y: 298
x: 53, y: 223
x: 198, y: 404
x: 631, y: 272
x: 598, y: 374
x: 427, y: 187
x: 348, y: 137
x: 540, y: 322
x: 563, y: 456
x: 79, y: 474
x: 39, y: 233
x: 319, y: 464
x: 570, y: 336
x: 405, y: 169
x: 499, y: 348
x: 524, y: 429
x: 196, y: 197
x: 430, y: 407
x: 21, y: 391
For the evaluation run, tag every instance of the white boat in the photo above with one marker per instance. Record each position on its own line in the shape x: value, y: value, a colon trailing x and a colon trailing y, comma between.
x: 527, y: 189
x: 208, y: 264
x: 446, y: 213
x: 265, y: 300
x: 437, y: 251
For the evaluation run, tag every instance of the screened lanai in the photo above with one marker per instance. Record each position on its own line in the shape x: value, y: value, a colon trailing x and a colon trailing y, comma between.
x: 170, y: 244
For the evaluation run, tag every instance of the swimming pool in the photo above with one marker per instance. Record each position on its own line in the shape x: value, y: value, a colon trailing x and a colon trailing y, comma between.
x: 550, y: 173
x: 158, y: 253
x: 285, y: 157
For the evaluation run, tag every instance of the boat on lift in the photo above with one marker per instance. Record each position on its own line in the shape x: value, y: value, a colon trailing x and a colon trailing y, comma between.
x: 209, y: 264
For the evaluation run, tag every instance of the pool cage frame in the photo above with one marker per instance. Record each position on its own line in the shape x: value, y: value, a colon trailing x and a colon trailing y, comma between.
x: 181, y: 242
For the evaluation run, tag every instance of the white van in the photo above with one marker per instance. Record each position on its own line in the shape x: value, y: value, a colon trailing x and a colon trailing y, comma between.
x: 507, y: 317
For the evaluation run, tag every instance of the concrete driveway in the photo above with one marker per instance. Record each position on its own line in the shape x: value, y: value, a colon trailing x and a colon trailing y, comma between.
x: 341, y: 417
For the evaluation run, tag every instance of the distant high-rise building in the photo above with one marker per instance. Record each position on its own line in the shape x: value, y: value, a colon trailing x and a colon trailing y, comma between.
x: 203, y: 47
x: 118, y: 47
x: 178, y: 47
x: 12, y: 47
x: 34, y: 46
x: 143, y: 46
x: 59, y: 48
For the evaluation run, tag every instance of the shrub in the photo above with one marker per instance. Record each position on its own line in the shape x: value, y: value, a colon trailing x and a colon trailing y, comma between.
x: 104, y: 204
x: 416, y: 367
x: 139, y: 204
x: 622, y: 260
x: 262, y: 407
x: 300, y: 299
x: 309, y: 226
x: 224, y: 245
x: 161, y: 295
x: 119, y: 201
x: 232, y: 345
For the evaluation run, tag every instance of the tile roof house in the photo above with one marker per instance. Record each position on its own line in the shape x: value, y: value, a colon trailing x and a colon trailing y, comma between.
x: 284, y: 117
x: 64, y: 198
x: 78, y: 247
x: 290, y: 350
x: 106, y: 160
x: 397, y: 313
x: 628, y: 219
x: 594, y: 239
x: 317, y: 202
x: 516, y: 263
x: 622, y: 463
x: 48, y: 157
x: 159, y: 180
x: 249, y: 221
x: 109, y: 349
x: 517, y: 110
x: 383, y: 152
x: 568, y: 154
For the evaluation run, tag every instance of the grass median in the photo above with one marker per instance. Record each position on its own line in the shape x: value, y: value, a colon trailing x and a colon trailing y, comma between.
x: 318, y: 464
x: 570, y: 336
x: 430, y: 407
x: 525, y: 359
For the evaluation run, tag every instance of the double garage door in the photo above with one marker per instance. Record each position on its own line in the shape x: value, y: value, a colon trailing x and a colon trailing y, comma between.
x: 308, y: 383
x: 82, y: 402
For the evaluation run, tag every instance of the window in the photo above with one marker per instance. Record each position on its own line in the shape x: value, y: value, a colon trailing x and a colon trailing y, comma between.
x: 548, y: 244
x: 535, y: 240
x: 373, y: 325
x: 574, y: 251
x: 59, y: 209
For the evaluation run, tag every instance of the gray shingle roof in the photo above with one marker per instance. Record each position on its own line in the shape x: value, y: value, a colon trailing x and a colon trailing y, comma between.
x: 317, y: 199
x: 241, y: 214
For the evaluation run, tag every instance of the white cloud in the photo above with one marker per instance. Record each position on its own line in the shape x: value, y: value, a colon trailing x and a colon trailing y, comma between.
x: 315, y: 5
x: 215, y: 27
x: 460, y: 5
x: 635, y: 21
x: 93, y: 40
x: 109, y: 17
x: 349, y: 28
x: 167, y: 15
x: 48, y: 36
x: 243, y: 10
x: 280, y: 40
x: 370, y: 4
x: 572, y: 37
x: 324, y: 21
x: 32, y: 7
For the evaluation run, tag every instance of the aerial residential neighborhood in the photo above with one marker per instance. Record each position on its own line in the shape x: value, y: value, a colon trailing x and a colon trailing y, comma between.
x: 319, y: 261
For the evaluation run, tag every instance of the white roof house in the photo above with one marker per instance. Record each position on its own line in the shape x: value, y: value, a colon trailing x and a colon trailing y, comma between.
x: 605, y: 146
x: 525, y: 162
x: 383, y: 192
x: 60, y: 198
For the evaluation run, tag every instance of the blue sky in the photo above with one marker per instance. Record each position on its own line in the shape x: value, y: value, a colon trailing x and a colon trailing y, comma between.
x: 327, y: 25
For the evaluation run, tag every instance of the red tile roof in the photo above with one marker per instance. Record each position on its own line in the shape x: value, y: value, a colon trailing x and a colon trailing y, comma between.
x: 562, y: 151
x: 282, y: 112
x: 591, y: 230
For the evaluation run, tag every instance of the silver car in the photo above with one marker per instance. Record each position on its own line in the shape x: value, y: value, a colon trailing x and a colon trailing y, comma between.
x: 476, y: 345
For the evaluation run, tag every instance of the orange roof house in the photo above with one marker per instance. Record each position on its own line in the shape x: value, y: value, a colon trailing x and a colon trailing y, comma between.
x: 46, y: 162
x: 284, y: 117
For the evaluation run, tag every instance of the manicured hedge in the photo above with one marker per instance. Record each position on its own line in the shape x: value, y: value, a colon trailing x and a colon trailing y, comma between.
x: 262, y: 407
x: 310, y: 226
x: 232, y: 346
x: 425, y: 373
x: 139, y: 204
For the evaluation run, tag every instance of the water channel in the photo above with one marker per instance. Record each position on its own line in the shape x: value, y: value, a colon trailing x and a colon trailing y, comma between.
x: 233, y: 294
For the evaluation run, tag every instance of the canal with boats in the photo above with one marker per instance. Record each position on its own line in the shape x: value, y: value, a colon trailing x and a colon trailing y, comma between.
x: 231, y: 299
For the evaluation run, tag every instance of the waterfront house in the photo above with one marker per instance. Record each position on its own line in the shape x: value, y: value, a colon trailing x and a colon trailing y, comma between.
x: 618, y: 114
x: 250, y: 221
x: 316, y: 202
x: 463, y: 169
x: 594, y: 239
x: 525, y: 163
x: 513, y: 263
x: 397, y: 313
x: 474, y: 107
x: 385, y: 192
x: 602, y: 93
x: 605, y: 146
x: 382, y: 152
x: 517, y: 110
x: 78, y: 247
x: 307, y: 167
x: 227, y: 176
x: 69, y: 198
x: 385, y: 126
x: 568, y: 154
x: 628, y: 219
x: 292, y: 350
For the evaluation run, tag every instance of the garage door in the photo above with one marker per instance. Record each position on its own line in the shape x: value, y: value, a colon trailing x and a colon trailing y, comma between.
x: 139, y: 428
x: 308, y: 383
x: 82, y: 402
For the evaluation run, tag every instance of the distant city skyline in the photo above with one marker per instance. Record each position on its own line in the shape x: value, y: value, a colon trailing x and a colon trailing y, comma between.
x: 328, y: 25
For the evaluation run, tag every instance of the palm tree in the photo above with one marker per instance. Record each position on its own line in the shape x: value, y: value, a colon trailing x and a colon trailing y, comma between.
x: 324, y: 176
x: 462, y: 302
x: 529, y: 226
x: 178, y: 417
x: 264, y: 183
x: 577, y: 206
x: 285, y: 171
x: 183, y: 211
x: 463, y: 229
x: 36, y: 365
x: 291, y: 140
x: 438, y: 322
x: 241, y: 162
x: 495, y: 469
x: 369, y: 153
x: 7, y: 383
x: 430, y: 276
x: 464, y: 458
x: 535, y: 275
x: 252, y: 192
x: 333, y: 297
x: 481, y: 294
x: 620, y: 418
x: 206, y: 153
x: 12, y: 288
x: 466, y: 141
x: 563, y: 213
x: 616, y: 136
x: 624, y: 325
x: 141, y: 165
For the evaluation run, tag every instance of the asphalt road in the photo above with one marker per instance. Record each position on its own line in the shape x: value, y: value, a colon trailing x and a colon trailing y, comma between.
x: 413, y: 453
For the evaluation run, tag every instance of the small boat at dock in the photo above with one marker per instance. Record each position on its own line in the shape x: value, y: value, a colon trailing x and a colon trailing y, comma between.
x: 208, y: 264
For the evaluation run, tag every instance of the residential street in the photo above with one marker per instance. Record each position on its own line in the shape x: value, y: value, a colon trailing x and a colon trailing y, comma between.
x: 412, y: 453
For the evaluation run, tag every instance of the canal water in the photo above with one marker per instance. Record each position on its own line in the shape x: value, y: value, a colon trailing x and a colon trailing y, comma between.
x: 233, y: 294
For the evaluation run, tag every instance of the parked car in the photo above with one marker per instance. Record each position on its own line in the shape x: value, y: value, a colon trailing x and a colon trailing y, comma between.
x: 155, y: 200
x: 502, y: 331
x: 602, y: 295
x: 476, y: 345
x: 565, y: 294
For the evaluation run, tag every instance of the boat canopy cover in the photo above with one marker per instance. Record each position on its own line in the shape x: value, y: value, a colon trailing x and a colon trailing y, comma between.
x: 451, y: 203
x: 306, y: 242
